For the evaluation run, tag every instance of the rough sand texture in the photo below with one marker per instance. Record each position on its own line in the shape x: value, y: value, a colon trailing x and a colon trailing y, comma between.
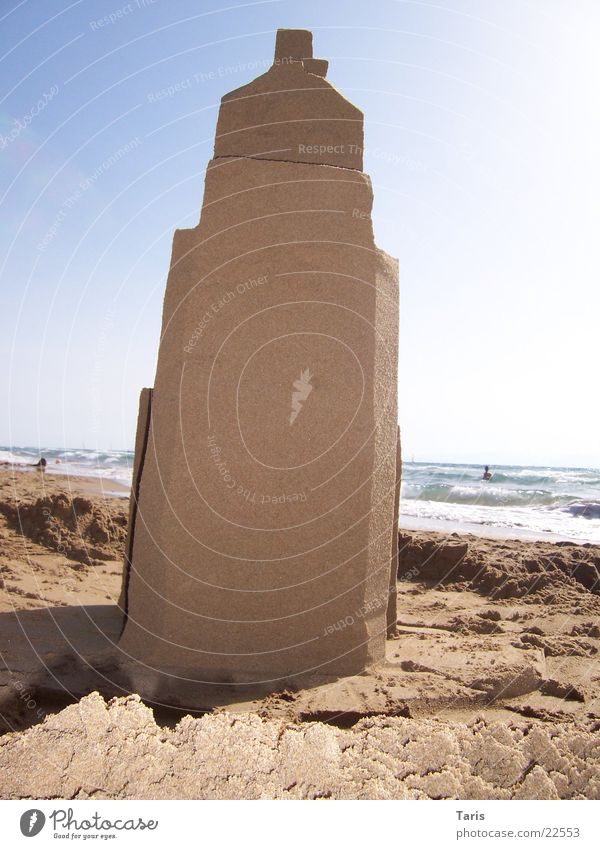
x: 61, y: 542
x: 92, y: 750
x: 53, y: 512
x: 487, y: 692
x: 549, y: 572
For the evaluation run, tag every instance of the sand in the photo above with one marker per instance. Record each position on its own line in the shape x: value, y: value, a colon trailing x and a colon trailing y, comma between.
x: 92, y: 750
x: 490, y: 690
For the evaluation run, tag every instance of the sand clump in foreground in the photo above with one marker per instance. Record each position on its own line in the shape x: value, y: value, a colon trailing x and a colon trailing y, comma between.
x: 95, y: 750
x: 491, y: 689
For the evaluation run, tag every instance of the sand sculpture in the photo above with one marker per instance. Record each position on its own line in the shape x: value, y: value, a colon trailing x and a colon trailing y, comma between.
x: 263, y: 535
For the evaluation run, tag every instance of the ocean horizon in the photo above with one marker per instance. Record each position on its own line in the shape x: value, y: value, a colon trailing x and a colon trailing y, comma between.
x: 537, y: 502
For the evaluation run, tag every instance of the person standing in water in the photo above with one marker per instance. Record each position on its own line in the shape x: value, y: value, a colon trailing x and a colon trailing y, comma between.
x: 487, y: 475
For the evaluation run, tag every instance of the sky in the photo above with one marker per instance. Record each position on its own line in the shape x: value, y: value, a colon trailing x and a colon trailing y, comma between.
x: 482, y: 120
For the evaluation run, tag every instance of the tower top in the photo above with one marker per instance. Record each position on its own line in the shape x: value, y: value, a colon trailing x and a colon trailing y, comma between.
x: 291, y: 112
x: 293, y: 45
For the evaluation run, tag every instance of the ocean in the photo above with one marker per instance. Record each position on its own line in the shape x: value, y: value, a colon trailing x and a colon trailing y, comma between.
x: 525, y: 501
x: 110, y: 465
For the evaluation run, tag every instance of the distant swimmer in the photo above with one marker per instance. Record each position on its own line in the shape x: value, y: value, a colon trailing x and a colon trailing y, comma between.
x: 487, y: 475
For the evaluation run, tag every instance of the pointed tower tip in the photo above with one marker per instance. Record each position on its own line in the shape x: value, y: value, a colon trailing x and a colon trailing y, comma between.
x: 293, y: 45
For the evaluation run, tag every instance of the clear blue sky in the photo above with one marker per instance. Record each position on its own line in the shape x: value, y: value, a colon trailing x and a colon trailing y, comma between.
x: 482, y: 127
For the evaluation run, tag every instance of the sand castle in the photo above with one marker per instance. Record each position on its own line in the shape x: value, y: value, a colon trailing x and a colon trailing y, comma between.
x: 263, y: 534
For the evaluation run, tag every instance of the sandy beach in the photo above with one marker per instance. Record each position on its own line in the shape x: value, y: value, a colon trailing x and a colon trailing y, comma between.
x: 491, y: 687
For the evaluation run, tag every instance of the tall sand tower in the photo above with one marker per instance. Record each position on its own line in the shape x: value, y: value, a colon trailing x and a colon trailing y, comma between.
x: 263, y: 533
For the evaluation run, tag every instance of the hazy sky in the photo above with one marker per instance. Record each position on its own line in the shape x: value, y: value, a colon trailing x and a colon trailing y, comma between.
x: 482, y: 127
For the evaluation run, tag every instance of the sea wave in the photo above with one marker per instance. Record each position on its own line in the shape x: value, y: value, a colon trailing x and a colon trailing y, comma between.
x: 538, y: 522
x: 584, y: 509
x: 107, y: 464
x: 561, y: 501
x: 484, y: 495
